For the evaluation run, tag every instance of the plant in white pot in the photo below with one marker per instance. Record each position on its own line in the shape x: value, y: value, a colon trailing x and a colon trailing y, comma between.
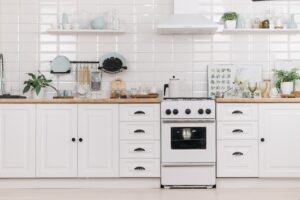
x: 37, y: 84
x: 285, y: 80
x: 230, y: 20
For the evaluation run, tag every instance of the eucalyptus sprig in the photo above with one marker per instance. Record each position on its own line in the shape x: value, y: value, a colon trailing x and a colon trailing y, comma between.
x: 36, y: 83
x: 286, y: 76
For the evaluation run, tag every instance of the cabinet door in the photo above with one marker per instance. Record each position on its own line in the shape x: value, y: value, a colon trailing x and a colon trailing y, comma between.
x: 279, y: 153
x: 56, y: 152
x: 98, y: 152
x: 17, y: 141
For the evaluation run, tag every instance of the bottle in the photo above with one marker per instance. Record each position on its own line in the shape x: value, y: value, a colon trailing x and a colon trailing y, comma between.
x: 116, y: 21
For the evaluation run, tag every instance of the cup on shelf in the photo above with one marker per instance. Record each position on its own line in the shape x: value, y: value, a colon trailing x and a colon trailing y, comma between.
x: 67, y: 26
x: 75, y: 26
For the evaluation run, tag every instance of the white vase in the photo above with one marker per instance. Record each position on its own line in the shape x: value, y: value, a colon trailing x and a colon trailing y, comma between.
x: 41, y: 95
x: 230, y: 24
x: 287, y: 87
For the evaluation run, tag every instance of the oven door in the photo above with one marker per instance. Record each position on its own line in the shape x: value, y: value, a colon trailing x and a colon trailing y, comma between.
x: 190, y: 141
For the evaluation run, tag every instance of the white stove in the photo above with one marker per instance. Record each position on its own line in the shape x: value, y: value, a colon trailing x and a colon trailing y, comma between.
x: 188, y: 142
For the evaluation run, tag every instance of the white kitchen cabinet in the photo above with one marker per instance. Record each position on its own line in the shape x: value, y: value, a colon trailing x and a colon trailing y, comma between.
x: 98, y: 135
x: 237, y: 158
x: 279, y: 148
x: 17, y: 141
x: 56, y: 153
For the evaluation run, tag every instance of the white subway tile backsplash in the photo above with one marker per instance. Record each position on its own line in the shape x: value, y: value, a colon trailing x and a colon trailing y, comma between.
x: 152, y: 59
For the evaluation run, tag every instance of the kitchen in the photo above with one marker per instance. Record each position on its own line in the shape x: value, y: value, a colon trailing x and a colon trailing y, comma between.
x: 118, y: 98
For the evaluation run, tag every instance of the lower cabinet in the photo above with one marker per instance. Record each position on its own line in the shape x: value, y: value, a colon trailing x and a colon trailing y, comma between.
x: 17, y: 141
x: 56, y: 140
x: 237, y: 158
x: 98, y: 147
x: 279, y: 149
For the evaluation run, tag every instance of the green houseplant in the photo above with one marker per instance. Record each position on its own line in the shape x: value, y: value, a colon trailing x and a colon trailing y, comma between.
x: 285, y: 80
x: 36, y: 84
x: 230, y: 19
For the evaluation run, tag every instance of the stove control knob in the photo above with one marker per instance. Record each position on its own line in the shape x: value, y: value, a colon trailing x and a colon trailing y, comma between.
x: 208, y: 111
x: 168, y: 112
x: 188, y: 111
x: 175, y: 112
x: 200, y: 111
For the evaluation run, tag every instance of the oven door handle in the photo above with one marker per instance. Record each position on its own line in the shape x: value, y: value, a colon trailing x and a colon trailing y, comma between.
x: 188, y: 164
x: 188, y: 121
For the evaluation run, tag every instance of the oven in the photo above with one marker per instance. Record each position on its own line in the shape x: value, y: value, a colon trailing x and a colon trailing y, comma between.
x: 188, y: 141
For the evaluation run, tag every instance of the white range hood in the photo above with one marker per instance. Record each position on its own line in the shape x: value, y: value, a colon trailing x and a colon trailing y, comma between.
x: 187, y: 24
x: 187, y: 20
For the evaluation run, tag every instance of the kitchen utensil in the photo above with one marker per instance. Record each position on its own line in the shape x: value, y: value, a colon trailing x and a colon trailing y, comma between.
x: 60, y: 65
x: 174, y: 88
x: 112, y: 63
x: 96, y: 78
x: 98, y: 23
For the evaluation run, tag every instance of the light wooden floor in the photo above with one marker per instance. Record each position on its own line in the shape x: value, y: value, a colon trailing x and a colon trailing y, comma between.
x: 148, y: 194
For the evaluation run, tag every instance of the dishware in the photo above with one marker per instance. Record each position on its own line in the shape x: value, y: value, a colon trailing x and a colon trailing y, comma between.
x: 75, y: 26
x: 67, y: 26
x: 252, y: 87
x: 98, y: 23
x: 60, y: 64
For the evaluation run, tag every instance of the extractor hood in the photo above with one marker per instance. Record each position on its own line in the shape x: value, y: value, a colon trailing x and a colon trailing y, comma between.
x: 187, y: 24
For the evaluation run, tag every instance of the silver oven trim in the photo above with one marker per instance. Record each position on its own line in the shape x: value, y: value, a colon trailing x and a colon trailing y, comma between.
x: 188, y: 121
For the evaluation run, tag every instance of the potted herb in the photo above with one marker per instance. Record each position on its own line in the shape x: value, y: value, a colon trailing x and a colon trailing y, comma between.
x: 285, y: 80
x: 230, y: 20
x: 36, y: 84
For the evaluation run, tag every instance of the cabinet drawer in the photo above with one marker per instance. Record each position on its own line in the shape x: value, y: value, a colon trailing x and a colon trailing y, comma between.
x: 140, y: 131
x: 137, y: 149
x: 140, y: 168
x: 237, y: 130
x: 237, y: 158
x: 237, y: 112
x: 140, y: 112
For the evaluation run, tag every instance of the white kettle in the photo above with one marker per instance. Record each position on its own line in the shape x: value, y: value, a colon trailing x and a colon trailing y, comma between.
x: 174, y: 88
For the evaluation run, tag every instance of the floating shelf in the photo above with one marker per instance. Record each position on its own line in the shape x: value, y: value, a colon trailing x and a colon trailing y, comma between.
x: 261, y: 31
x: 85, y: 31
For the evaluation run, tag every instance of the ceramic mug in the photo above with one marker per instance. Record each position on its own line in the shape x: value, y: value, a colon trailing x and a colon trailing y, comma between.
x: 98, y: 23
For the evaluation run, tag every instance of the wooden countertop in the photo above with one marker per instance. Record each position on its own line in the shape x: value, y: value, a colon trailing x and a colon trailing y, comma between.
x: 79, y: 101
x: 258, y: 100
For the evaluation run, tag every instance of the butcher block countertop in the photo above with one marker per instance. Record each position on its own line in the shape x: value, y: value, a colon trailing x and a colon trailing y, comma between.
x: 258, y: 100
x: 80, y: 101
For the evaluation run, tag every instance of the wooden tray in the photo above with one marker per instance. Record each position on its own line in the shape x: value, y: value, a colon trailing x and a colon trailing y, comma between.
x: 67, y: 97
x: 293, y: 95
x: 145, y: 96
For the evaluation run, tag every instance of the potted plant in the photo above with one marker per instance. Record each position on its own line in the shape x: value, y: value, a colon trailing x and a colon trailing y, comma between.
x: 285, y: 80
x: 230, y: 20
x: 36, y: 84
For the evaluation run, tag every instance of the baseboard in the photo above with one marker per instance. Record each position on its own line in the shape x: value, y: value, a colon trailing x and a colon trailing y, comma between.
x: 80, y: 183
x: 258, y: 183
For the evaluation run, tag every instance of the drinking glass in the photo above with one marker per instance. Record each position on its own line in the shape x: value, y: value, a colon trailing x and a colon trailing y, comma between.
x: 252, y: 87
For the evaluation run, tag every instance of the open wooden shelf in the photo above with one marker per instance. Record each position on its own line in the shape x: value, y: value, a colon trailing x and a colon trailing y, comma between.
x: 261, y: 31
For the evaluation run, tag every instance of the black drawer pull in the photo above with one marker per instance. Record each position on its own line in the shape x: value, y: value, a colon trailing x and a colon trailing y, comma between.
x: 237, y: 131
x: 237, y: 112
x: 237, y: 154
x: 140, y: 131
x: 139, y: 150
x: 140, y: 169
x: 139, y: 113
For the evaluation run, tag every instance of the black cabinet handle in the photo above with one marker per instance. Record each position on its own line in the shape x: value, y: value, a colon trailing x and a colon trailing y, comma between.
x: 139, y: 113
x: 140, y: 131
x: 237, y: 154
x: 139, y: 150
x: 237, y: 112
x: 80, y: 140
x: 237, y: 131
x: 140, y: 169
x: 262, y: 139
x: 73, y: 139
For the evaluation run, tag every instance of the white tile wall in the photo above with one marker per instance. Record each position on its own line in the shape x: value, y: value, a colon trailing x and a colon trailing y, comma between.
x: 152, y: 58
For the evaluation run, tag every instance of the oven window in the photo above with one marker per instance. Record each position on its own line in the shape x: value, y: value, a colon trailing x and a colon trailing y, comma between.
x: 188, y: 138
